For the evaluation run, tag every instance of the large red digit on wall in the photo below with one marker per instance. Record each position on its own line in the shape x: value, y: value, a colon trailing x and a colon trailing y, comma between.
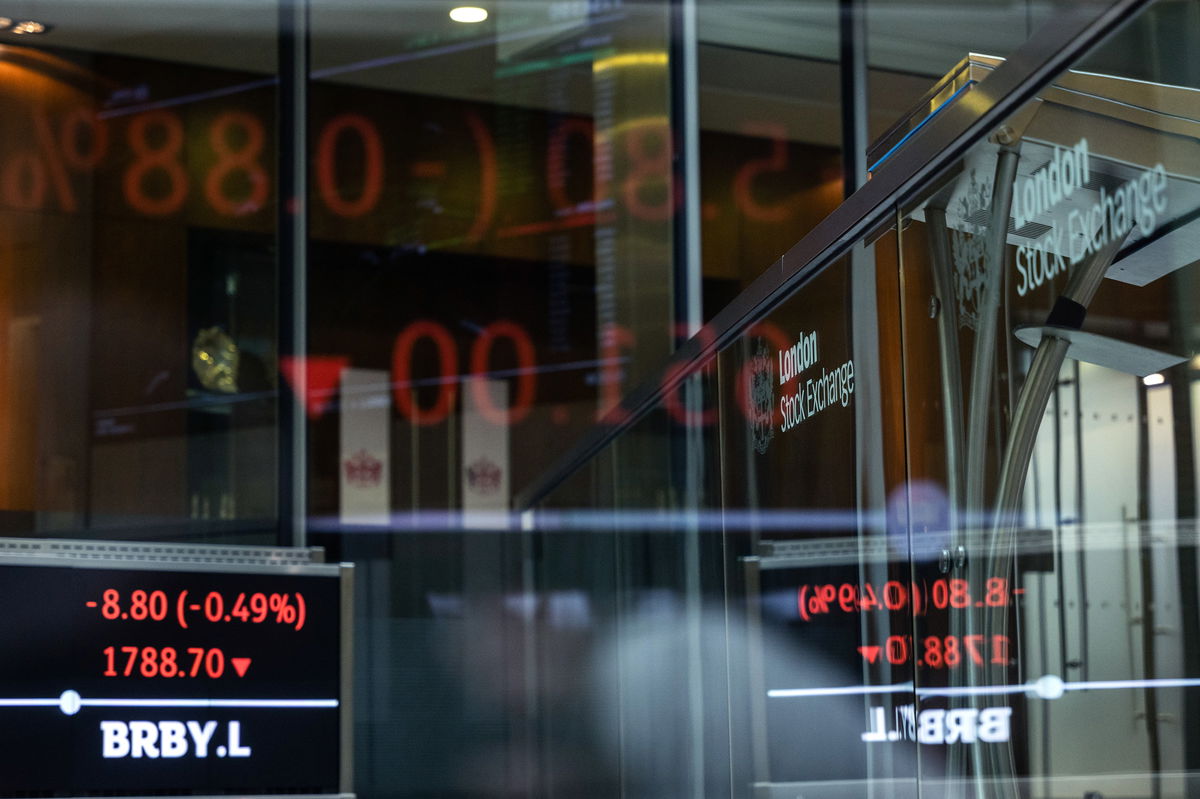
x: 85, y: 154
x: 487, y: 177
x: 233, y: 160
x: 648, y: 147
x: 481, y: 352
x: 556, y: 161
x: 327, y: 169
x: 153, y: 157
x: 403, y: 390
x: 777, y: 161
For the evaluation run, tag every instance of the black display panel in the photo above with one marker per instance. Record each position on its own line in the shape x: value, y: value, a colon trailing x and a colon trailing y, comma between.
x: 135, y: 682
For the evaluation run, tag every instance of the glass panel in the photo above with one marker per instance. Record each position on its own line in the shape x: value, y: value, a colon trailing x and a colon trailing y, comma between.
x: 138, y: 340
x: 491, y: 267
x: 511, y: 220
x: 746, y: 562
x: 771, y: 134
x: 818, y: 564
x: 1050, y: 392
x: 632, y: 638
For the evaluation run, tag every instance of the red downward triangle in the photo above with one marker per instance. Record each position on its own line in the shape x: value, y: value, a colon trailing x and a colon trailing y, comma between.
x: 871, y: 653
x: 321, y: 375
x: 240, y: 665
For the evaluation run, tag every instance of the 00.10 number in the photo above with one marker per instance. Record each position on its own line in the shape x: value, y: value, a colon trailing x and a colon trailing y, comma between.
x: 150, y: 661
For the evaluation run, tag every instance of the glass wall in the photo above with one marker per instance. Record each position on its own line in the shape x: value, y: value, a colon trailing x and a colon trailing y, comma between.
x: 1049, y: 395
x: 137, y: 314
x: 913, y: 515
x: 953, y: 551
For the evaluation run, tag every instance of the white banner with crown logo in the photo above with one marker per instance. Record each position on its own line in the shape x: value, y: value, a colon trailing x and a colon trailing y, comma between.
x: 365, y: 478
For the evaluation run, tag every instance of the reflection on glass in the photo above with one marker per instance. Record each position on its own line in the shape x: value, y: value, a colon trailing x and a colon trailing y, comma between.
x: 137, y: 218
x: 1057, y: 264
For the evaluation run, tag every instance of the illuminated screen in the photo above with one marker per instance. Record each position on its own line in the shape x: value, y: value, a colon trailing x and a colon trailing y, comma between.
x: 137, y: 682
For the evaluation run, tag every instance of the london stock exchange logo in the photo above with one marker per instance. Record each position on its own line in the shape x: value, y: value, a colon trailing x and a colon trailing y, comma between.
x: 969, y: 251
x: 760, y: 394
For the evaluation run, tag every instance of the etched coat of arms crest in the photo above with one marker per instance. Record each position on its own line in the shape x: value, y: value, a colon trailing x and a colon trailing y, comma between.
x: 760, y: 390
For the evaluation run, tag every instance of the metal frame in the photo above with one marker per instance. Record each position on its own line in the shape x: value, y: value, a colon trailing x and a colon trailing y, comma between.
x: 292, y: 232
x: 933, y: 148
x: 346, y: 668
x: 136, y: 555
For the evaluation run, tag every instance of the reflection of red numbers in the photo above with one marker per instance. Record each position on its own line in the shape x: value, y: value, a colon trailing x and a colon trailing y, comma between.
x: 77, y: 155
x: 154, y: 159
x: 404, y: 392
x: 848, y: 598
x: 327, y: 177
x: 487, y: 177
x: 24, y: 182
x: 777, y: 161
x: 896, y: 649
x: 556, y: 160
x: 25, y: 177
x: 895, y: 595
x: 933, y: 652
x: 953, y: 593
x: 481, y: 351
x: 649, y: 149
x: 951, y: 651
x: 244, y: 159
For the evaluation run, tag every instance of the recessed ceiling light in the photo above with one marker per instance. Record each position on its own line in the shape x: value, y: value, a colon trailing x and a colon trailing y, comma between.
x: 468, y: 14
x: 5, y: 23
x: 1154, y: 380
x: 28, y: 26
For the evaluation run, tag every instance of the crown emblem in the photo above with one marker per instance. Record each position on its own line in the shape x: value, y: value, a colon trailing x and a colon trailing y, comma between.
x: 483, y: 476
x: 363, y: 469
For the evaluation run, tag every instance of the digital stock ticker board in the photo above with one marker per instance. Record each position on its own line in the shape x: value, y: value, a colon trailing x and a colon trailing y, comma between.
x: 169, y: 678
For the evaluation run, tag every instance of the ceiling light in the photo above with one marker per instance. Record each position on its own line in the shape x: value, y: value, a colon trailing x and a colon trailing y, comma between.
x: 468, y: 14
x: 28, y: 26
x: 5, y: 23
x: 1155, y: 379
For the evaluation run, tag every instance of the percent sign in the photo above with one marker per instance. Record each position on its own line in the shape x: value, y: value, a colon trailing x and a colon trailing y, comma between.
x: 27, y: 173
x: 285, y: 611
x: 819, y: 603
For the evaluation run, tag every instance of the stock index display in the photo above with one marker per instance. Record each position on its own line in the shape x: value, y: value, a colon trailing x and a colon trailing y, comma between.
x: 136, y: 682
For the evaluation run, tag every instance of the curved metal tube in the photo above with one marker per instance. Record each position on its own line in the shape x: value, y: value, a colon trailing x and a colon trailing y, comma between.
x: 948, y: 350
x: 1026, y: 421
x: 984, y: 360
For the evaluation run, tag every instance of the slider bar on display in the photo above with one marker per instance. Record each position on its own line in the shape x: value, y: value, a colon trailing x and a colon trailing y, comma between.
x: 1047, y: 687
x: 70, y: 702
